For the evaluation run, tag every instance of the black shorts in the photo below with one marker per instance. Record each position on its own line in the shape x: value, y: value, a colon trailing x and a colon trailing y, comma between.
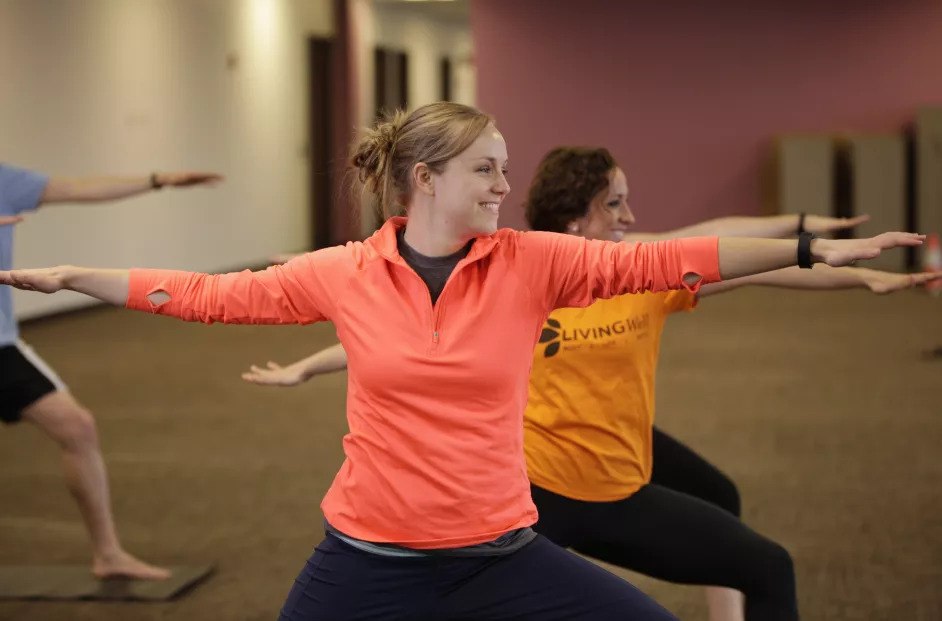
x: 24, y: 380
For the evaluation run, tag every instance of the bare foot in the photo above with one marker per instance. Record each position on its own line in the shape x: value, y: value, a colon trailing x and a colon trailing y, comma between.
x: 123, y: 565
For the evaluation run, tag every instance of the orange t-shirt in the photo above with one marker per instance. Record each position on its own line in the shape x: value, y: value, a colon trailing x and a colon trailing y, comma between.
x: 590, y: 414
x: 436, y: 394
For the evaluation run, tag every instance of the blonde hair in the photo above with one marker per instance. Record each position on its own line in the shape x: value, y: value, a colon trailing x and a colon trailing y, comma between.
x: 433, y: 134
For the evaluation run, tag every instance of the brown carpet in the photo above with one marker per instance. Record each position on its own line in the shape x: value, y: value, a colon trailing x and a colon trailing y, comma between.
x: 819, y: 405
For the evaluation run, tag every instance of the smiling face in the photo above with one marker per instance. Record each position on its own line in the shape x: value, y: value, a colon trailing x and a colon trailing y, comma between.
x: 472, y: 185
x: 609, y: 216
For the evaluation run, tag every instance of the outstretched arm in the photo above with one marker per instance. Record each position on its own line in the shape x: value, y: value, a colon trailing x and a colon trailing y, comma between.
x: 100, y: 189
x: 329, y: 360
x: 8, y: 220
x: 762, y: 226
x: 567, y: 271
x: 826, y: 278
x: 302, y: 291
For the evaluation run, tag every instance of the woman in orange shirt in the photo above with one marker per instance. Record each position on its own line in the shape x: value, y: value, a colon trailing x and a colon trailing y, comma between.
x: 430, y: 515
x: 589, y: 435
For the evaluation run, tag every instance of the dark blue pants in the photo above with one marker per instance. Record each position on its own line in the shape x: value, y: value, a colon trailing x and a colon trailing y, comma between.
x: 540, y: 582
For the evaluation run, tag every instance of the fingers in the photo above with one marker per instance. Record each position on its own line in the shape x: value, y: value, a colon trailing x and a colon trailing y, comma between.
x: 921, y: 279
x: 852, y: 222
x: 259, y: 375
x: 892, y: 240
x: 15, y: 279
x: 845, y: 223
x: 256, y: 378
x: 185, y: 179
x: 7, y: 220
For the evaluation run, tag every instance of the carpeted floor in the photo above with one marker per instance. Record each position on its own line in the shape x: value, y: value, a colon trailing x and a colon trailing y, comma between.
x: 819, y: 405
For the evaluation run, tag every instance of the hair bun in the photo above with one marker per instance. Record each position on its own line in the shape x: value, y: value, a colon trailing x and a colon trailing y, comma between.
x: 375, y: 149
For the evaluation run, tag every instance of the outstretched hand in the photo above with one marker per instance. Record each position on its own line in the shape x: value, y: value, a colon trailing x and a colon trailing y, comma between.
x: 188, y: 179
x: 887, y: 282
x: 7, y: 220
x: 841, y: 252
x: 45, y: 280
x: 275, y: 375
x: 820, y: 225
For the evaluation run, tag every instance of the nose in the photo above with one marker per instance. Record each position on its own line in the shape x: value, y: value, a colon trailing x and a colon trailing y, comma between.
x: 501, y: 186
x: 625, y: 215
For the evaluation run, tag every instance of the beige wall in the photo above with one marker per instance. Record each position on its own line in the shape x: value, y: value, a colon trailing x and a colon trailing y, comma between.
x: 126, y: 87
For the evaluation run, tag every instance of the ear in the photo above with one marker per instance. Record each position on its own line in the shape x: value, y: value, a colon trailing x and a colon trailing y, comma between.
x: 572, y: 227
x: 422, y: 179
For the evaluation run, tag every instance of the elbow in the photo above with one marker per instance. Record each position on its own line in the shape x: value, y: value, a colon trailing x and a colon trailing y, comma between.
x: 692, y: 280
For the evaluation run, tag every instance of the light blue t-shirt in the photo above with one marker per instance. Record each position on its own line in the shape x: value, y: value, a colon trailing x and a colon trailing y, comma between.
x: 20, y: 190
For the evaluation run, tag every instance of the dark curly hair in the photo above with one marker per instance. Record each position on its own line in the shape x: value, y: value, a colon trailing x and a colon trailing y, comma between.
x: 565, y: 183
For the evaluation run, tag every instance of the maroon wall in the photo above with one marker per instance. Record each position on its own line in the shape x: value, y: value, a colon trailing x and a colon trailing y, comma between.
x: 688, y: 96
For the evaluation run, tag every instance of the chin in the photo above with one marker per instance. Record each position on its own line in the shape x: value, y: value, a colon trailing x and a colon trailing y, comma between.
x: 485, y: 226
x: 487, y: 229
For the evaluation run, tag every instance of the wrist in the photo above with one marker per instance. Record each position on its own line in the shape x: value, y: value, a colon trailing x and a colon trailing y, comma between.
x: 69, y: 275
x: 866, y: 278
x: 157, y: 181
x: 818, y: 250
x: 805, y: 257
x: 307, y: 372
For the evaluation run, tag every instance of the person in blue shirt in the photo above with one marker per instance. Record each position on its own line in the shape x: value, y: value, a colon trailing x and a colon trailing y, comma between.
x: 30, y: 391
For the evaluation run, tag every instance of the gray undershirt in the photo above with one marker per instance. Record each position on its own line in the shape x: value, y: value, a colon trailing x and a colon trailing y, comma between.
x: 433, y: 270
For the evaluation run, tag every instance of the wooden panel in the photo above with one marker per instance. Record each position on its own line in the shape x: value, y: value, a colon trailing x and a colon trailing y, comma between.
x: 320, y: 141
x: 444, y: 78
x: 928, y: 169
x: 803, y: 175
x: 878, y: 188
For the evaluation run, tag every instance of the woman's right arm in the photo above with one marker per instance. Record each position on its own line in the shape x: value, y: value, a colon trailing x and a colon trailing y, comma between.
x: 569, y: 271
x: 303, y: 290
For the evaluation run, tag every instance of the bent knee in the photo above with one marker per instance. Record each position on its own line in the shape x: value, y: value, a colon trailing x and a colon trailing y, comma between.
x: 771, y: 572
x: 65, y: 421
x: 728, y: 496
x: 781, y: 560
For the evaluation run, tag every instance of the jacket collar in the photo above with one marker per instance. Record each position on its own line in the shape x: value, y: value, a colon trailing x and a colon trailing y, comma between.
x: 384, y: 240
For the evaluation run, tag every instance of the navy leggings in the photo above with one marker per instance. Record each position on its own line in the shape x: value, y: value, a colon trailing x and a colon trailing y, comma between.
x: 539, y: 582
x: 683, y: 527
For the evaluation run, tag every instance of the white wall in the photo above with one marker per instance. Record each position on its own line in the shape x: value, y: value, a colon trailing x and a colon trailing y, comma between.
x: 129, y: 86
x: 427, y: 38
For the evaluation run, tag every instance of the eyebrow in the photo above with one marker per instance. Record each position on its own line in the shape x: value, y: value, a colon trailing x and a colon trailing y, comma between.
x: 492, y: 160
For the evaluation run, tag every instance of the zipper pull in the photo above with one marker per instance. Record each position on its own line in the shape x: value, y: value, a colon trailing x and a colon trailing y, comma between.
x: 435, y: 337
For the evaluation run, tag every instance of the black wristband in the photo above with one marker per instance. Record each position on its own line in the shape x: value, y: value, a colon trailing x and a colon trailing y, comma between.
x: 801, y: 223
x: 804, y: 251
x: 154, y: 182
